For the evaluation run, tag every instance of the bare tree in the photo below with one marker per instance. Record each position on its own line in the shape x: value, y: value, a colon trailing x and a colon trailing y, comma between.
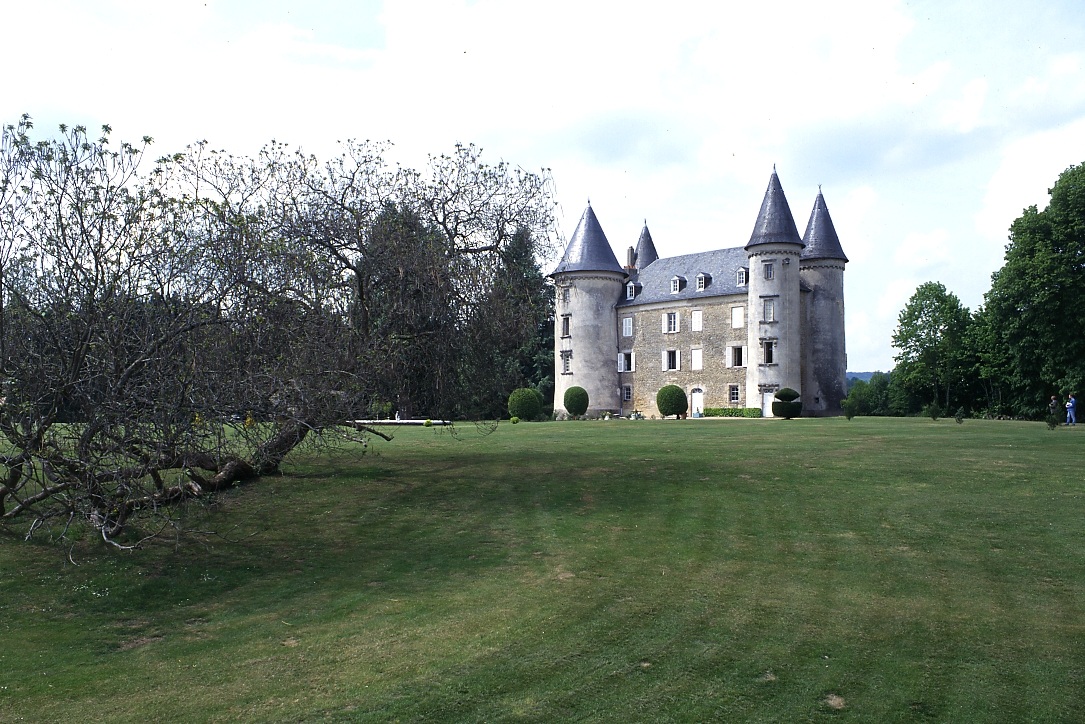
x: 175, y: 332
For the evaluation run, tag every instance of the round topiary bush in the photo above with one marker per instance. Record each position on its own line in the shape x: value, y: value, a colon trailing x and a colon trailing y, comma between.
x: 524, y: 403
x: 576, y: 401
x: 671, y: 400
x: 514, y: 420
x: 787, y: 404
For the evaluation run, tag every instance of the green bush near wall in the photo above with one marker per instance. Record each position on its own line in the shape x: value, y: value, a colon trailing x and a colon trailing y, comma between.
x: 732, y: 412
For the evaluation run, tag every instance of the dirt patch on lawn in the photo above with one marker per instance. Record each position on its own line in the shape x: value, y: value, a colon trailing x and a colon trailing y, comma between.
x: 835, y: 701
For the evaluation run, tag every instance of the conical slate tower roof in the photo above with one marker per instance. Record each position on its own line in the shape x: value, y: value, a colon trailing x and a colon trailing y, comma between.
x: 820, y: 237
x: 646, y: 250
x: 775, y: 224
x: 589, y: 249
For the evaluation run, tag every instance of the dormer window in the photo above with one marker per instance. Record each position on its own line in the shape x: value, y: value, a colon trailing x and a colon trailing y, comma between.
x: 677, y: 283
x: 630, y: 290
x: 740, y: 278
x: 703, y: 281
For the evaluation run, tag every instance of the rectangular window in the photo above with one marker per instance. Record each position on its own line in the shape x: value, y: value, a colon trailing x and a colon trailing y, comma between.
x: 565, y: 295
x: 627, y: 327
x: 627, y: 393
x: 566, y: 357
x: 732, y: 394
x: 670, y: 322
x: 695, y: 359
x: 630, y: 291
x: 565, y: 325
x: 672, y: 360
x: 675, y: 285
x: 770, y: 310
x: 738, y: 317
x: 700, y: 282
x: 740, y: 278
x: 767, y: 266
x: 737, y: 357
x: 625, y: 362
x: 696, y: 320
x: 770, y: 351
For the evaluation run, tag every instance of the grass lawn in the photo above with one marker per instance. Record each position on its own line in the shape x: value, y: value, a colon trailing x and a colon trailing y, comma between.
x: 732, y: 570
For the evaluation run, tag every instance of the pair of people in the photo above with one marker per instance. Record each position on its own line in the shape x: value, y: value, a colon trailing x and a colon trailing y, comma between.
x: 1071, y: 408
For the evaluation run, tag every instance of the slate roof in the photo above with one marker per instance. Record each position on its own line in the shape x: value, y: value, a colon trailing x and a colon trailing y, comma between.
x: 646, y: 250
x: 589, y: 249
x: 722, y: 265
x: 820, y: 237
x: 775, y: 224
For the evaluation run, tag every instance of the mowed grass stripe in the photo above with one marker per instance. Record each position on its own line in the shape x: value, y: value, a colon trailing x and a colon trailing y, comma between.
x: 877, y: 569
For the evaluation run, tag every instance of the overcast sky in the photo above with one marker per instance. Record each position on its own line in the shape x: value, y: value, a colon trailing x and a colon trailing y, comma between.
x: 928, y: 125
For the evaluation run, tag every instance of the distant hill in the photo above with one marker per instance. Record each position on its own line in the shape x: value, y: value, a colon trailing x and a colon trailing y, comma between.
x: 864, y: 376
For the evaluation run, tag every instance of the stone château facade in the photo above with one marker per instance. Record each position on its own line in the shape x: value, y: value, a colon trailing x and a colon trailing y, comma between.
x: 730, y: 326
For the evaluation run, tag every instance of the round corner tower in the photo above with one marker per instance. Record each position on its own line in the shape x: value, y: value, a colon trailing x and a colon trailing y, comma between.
x: 774, y: 306
x: 825, y: 359
x: 588, y: 283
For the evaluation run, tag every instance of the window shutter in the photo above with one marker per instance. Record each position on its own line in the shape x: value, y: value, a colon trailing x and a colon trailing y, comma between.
x: 664, y: 326
x: 620, y: 362
x: 745, y: 358
x: 730, y: 357
x: 677, y: 322
x: 632, y: 361
x: 678, y: 359
x: 664, y: 365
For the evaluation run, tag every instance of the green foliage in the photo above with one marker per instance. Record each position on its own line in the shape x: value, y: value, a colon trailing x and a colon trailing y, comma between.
x: 934, y: 360
x: 514, y: 420
x: 786, y: 394
x: 959, y: 415
x: 576, y: 401
x: 524, y: 403
x: 732, y: 412
x: 932, y: 410
x: 1035, y: 310
x: 786, y: 404
x: 427, y: 423
x: 671, y: 400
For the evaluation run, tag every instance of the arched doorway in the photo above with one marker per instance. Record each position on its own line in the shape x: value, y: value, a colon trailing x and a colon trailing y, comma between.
x: 696, y: 402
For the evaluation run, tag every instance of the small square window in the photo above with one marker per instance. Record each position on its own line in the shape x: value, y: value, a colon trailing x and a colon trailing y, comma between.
x: 627, y: 393
x: 732, y: 394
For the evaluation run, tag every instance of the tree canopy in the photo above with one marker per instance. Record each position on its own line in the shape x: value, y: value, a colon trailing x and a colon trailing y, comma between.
x: 172, y: 327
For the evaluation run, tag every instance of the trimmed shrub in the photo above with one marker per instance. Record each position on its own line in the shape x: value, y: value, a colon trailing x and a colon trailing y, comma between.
x: 786, y: 394
x: 524, y: 403
x: 732, y: 412
x: 576, y: 401
x: 427, y: 423
x: 514, y: 419
x: 787, y: 404
x: 671, y: 400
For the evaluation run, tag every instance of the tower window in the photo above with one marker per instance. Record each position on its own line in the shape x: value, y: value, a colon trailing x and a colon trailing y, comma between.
x: 565, y: 325
x: 770, y: 351
x: 566, y: 361
x: 769, y: 272
x: 770, y: 310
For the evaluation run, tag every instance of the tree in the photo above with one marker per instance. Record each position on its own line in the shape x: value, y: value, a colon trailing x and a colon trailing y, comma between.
x: 671, y: 400
x: 931, y: 339
x: 176, y: 331
x: 1035, y: 309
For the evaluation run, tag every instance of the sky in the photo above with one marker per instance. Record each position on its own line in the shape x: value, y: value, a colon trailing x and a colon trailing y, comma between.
x: 929, y: 126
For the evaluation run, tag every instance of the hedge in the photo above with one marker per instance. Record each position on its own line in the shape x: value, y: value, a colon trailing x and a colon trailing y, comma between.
x: 732, y: 412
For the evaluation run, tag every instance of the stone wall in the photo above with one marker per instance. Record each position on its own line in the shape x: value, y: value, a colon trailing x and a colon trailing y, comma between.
x: 716, y: 339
